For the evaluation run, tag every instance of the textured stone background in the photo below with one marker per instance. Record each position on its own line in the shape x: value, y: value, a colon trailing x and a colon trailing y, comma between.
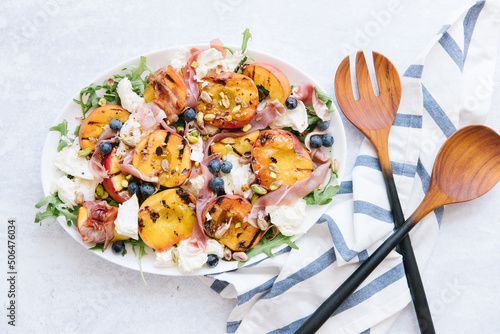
x: 51, y: 49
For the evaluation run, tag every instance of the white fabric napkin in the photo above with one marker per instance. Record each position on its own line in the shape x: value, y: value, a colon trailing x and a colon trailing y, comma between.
x: 449, y: 86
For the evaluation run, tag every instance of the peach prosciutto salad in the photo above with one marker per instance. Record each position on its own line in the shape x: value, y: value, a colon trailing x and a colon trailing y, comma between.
x: 209, y: 158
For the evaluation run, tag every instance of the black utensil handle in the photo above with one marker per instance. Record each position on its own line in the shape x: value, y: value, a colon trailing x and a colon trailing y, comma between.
x: 329, y: 306
x: 413, y: 277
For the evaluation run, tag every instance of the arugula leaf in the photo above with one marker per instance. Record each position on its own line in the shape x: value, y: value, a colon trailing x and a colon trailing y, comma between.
x: 142, y: 251
x: 94, y: 93
x: 246, y: 36
x: 62, y: 128
x: 312, y: 118
x: 98, y: 247
x: 55, y: 208
x: 325, y: 98
x: 263, y: 93
x: 324, y: 196
x: 266, y: 246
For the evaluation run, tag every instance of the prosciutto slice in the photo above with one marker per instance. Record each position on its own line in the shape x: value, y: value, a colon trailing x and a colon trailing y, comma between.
x: 188, y: 72
x: 100, y: 224
x: 167, y: 98
x: 126, y: 167
x: 307, y: 94
x: 150, y: 116
x: 219, y: 46
x: 292, y: 193
x: 95, y: 164
x: 198, y: 238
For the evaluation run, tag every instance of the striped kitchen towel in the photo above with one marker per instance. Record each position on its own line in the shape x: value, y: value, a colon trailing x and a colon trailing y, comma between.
x: 449, y: 86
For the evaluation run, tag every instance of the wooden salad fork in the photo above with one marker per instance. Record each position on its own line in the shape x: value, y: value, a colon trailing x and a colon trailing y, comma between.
x: 373, y: 115
x: 466, y: 167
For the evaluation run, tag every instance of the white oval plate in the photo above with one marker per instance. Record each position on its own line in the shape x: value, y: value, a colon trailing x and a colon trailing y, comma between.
x: 156, y: 60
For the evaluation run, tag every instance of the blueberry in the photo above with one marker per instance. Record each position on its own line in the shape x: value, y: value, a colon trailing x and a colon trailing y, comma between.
x: 147, y: 189
x: 226, y: 167
x: 189, y: 114
x: 327, y: 140
x: 214, y: 166
x: 323, y: 125
x: 316, y: 142
x: 216, y: 184
x: 118, y: 247
x: 105, y: 148
x: 212, y: 261
x: 115, y: 124
x: 291, y: 103
x: 132, y: 188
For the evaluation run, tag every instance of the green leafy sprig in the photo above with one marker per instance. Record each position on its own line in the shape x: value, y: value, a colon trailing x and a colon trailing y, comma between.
x: 267, y: 244
x: 55, y: 208
x: 325, y: 98
x: 92, y: 94
x: 324, y: 196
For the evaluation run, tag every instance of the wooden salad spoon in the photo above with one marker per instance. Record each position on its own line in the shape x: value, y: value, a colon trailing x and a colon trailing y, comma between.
x: 467, y: 166
x: 373, y: 116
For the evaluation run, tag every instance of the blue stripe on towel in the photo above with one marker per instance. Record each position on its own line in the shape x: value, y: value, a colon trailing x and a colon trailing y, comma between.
x: 469, y: 24
x: 219, y: 285
x: 453, y: 50
x: 363, y: 255
x: 232, y: 326
x: 414, y: 71
x: 408, y: 121
x: 312, y: 269
x: 243, y: 298
x: 398, y: 168
x: 437, y: 114
x: 345, y: 188
x: 338, y: 240
x: 443, y: 29
x: 378, y: 284
x: 373, y: 211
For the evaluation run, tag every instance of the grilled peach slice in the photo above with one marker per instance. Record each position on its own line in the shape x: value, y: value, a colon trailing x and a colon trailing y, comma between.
x: 93, y: 124
x: 270, y: 78
x: 166, y: 218
x: 278, y: 159
x: 167, y: 89
x: 165, y: 155
x: 241, y: 145
x: 116, y: 185
x: 224, y: 220
x: 228, y: 101
x: 82, y: 217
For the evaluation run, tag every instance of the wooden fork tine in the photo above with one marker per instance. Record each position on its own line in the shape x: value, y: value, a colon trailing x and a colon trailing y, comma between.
x: 343, y: 84
x: 387, y: 77
x: 365, y: 87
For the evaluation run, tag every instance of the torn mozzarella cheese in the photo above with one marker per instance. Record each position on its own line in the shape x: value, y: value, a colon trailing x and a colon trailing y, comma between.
x: 194, y: 185
x: 68, y: 161
x: 131, y: 133
x: 126, y: 221
x: 289, y: 218
x: 181, y: 56
x: 237, y: 178
x: 214, y: 247
x: 164, y: 259
x: 293, y: 118
x: 74, y: 191
x: 191, y: 258
x: 128, y: 98
x: 212, y: 61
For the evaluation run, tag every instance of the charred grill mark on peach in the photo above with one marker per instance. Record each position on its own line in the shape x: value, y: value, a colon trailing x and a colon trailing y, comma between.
x: 184, y: 196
